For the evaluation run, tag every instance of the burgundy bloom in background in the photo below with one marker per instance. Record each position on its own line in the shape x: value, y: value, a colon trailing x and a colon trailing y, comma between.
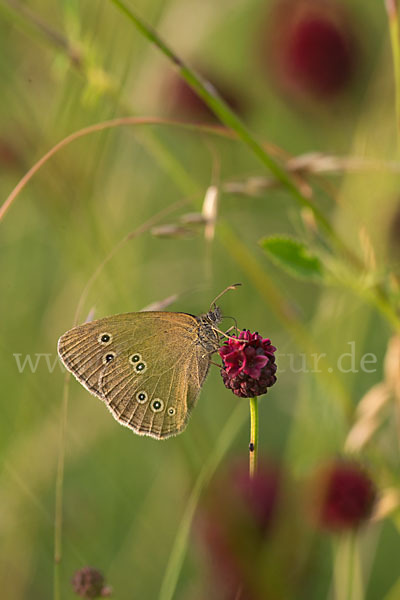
x: 9, y: 157
x: 181, y: 101
x: 343, y: 496
x: 235, y: 521
x: 88, y: 582
x: 310, y: 48
x: 248, y: 364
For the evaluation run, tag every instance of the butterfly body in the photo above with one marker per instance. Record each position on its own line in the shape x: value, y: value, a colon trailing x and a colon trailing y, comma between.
x: 148, y: 367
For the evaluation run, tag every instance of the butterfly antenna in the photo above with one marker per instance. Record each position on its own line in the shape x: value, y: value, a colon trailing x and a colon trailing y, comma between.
x: 233, y: 326
x: 230, y: 287
x: 225, y: 334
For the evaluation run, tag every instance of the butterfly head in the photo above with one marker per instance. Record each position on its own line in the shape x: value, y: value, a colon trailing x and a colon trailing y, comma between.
x: 214, y: 315
x: 208, y: 336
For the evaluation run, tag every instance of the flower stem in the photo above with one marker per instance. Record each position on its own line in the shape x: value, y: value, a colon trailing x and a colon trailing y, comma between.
x: 347, y: 570
x: 253, y: 446
x: 391, y: 9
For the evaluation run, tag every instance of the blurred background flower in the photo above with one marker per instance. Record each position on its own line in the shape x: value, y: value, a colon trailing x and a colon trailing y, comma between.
x: 177, y: 98
x: 243, y: 526
x: 89, y: 582
x: 310, y: 49
x: 9, y: 158
x: 343, y: 496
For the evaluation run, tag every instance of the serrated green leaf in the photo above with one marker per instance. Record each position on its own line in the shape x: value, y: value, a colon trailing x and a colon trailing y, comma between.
x: 293, y: 256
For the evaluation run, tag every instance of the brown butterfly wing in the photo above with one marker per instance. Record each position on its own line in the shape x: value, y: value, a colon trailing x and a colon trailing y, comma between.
x: 83, y: 354
x: 175, y: 367
x: 158, y: 400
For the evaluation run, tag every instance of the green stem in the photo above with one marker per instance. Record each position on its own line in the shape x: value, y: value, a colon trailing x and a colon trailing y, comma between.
x: 253, y: 446
x: 58, y: 516
x: 351, y: 567
x: 391, y: 10
x: 347, y: 575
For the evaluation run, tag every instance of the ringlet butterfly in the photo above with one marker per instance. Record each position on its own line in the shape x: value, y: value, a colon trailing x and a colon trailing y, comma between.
x: 148, y: 367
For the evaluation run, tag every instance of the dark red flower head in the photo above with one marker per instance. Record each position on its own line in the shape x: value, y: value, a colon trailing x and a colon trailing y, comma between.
x: 9, y: 157
x: 179, y: 99
x: 88, y: 582
x: 236, y: 519
x: 310, y: 47
x: 344, y: 496
x: 248, y: 364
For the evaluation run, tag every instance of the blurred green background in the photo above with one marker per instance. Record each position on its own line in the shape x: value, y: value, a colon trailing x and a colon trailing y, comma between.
x: 69, y: 64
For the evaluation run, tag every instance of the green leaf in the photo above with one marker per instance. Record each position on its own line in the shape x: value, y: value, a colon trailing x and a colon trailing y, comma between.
x: 293, y: 256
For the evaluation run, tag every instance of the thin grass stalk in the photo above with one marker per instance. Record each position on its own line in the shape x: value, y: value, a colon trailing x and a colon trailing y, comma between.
x: 58, y: 512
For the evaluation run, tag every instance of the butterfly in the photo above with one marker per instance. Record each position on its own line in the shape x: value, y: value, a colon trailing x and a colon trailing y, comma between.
x: 148, y: 367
